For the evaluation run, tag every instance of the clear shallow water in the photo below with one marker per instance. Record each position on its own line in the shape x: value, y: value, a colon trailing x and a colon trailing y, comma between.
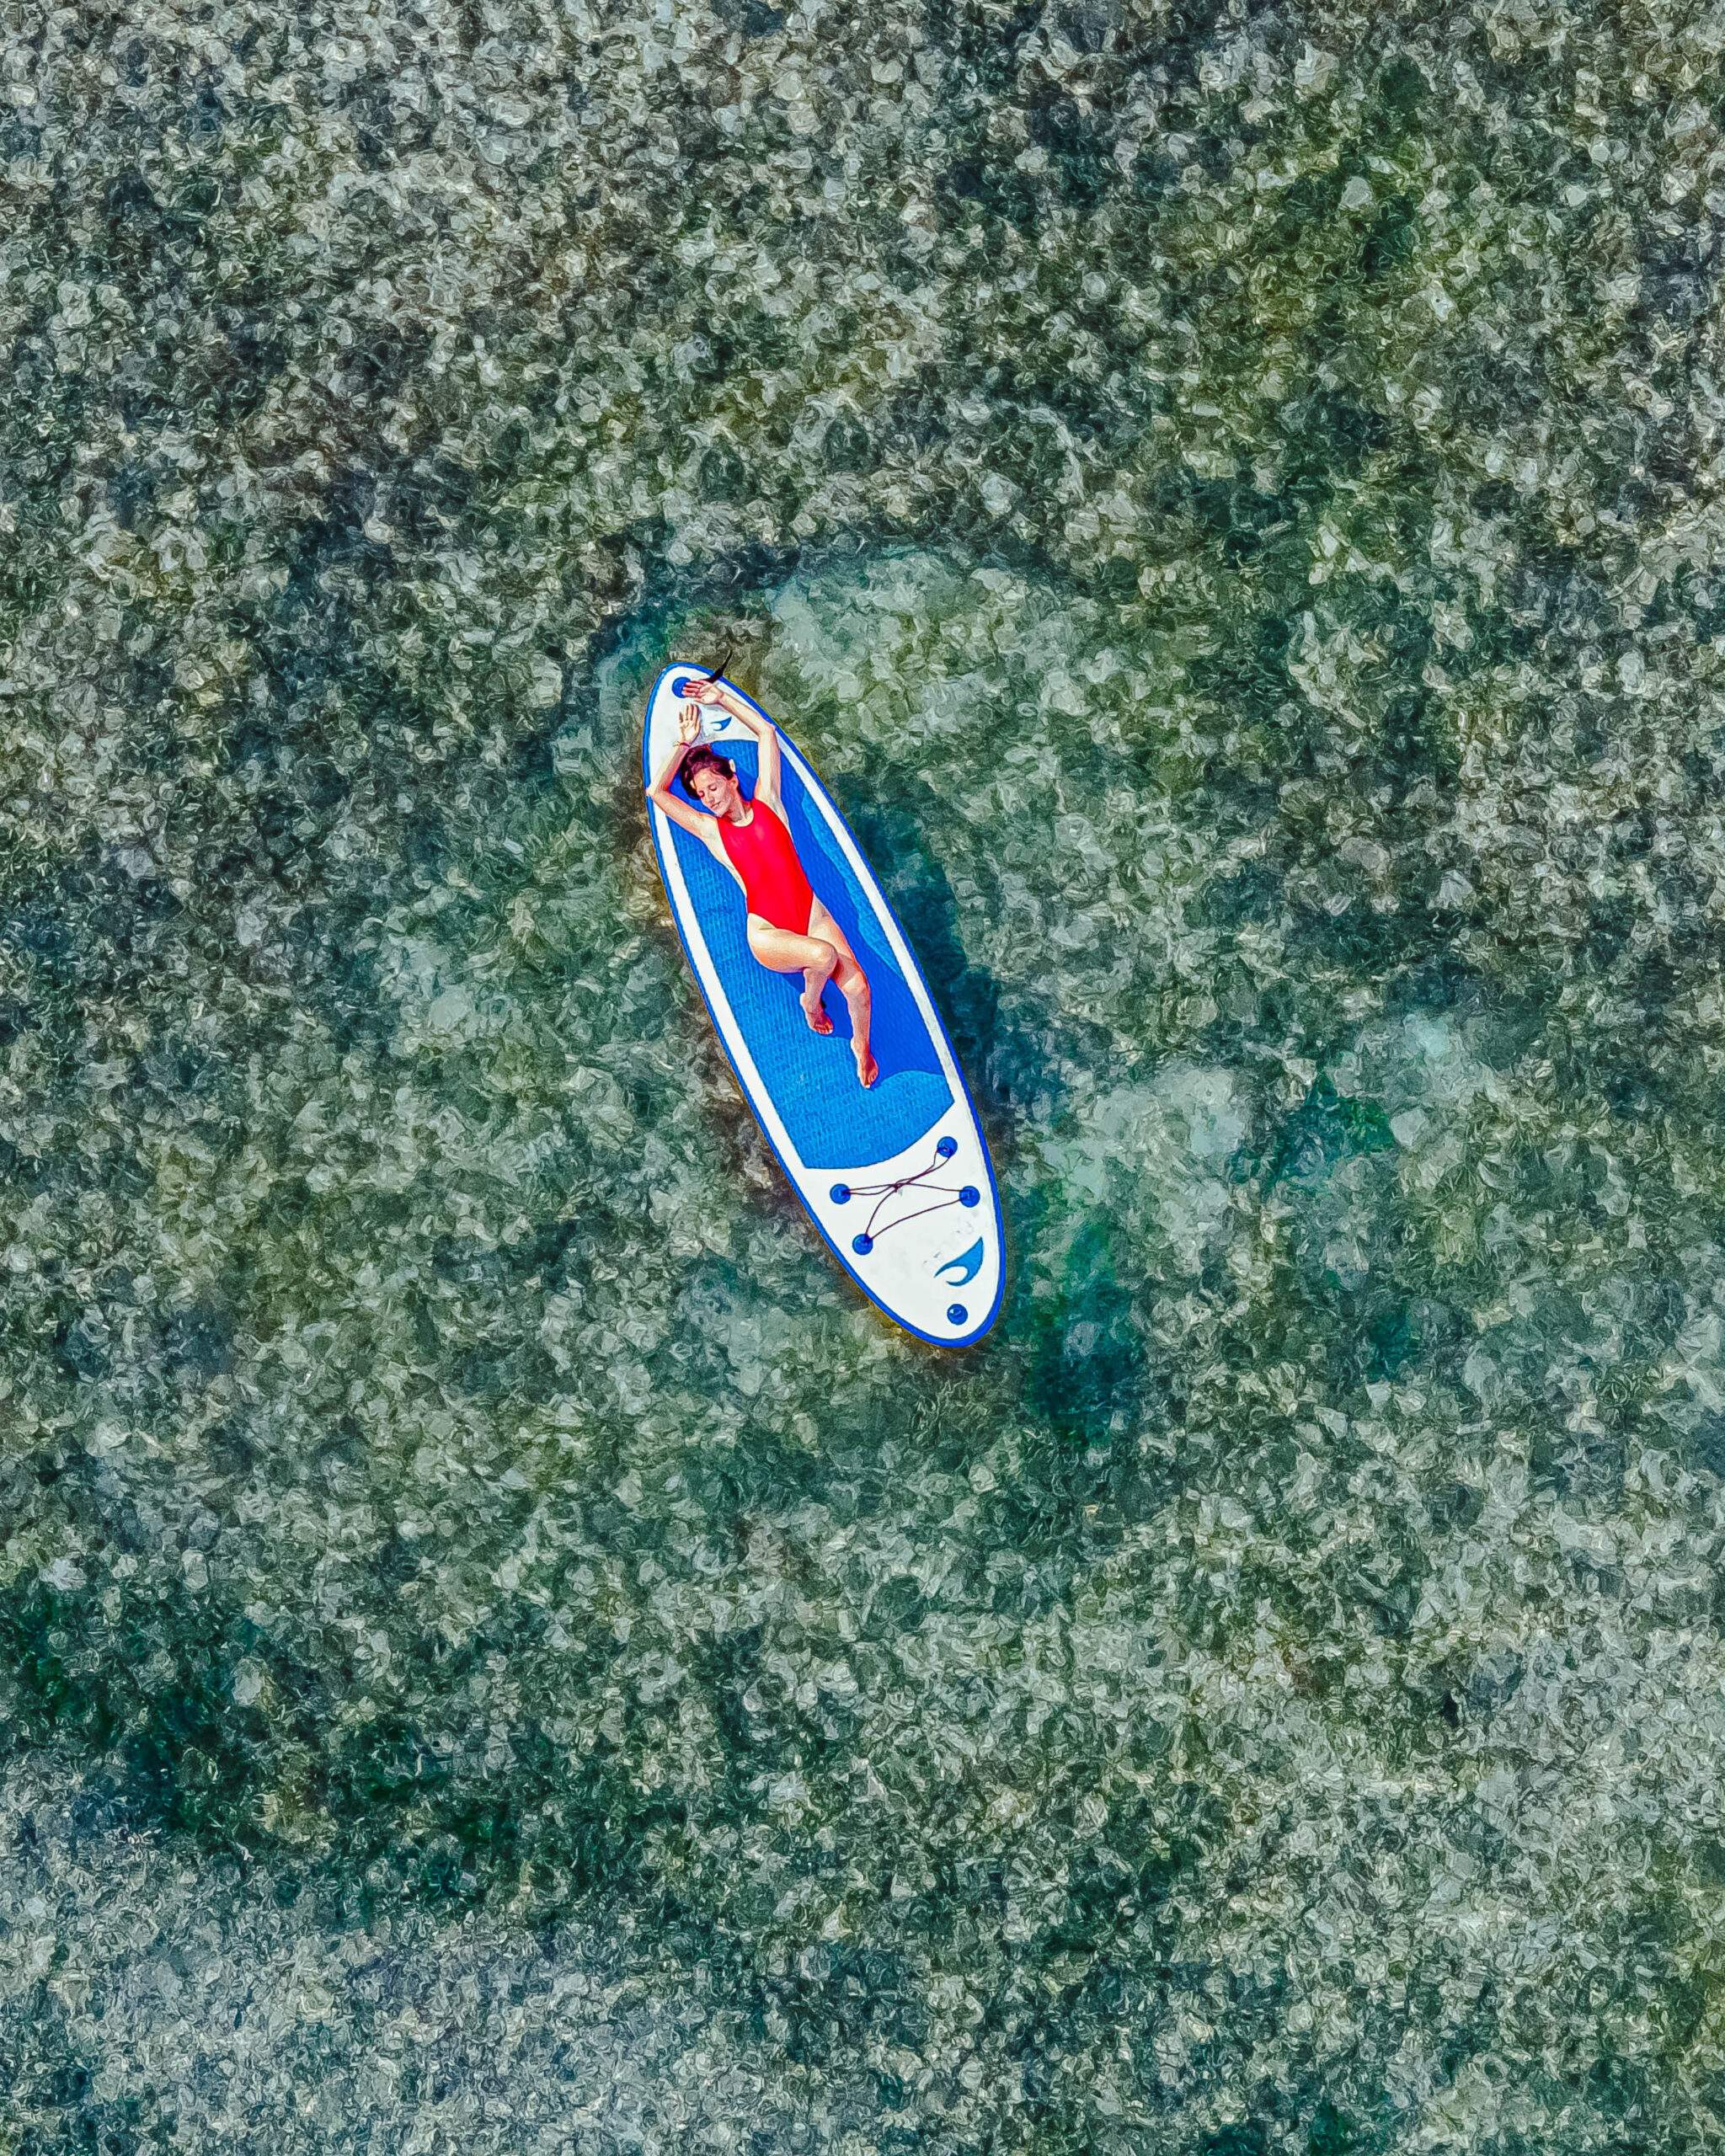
x: 1223, y: 504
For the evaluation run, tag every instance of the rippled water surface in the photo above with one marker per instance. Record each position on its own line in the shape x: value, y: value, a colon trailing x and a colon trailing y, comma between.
x: 501, y: 1649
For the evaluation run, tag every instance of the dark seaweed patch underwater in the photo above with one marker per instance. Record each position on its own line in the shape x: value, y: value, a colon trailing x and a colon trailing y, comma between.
x: 500, y: 1648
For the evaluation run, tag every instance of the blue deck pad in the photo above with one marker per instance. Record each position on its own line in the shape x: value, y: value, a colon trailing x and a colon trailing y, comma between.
x: 833, y: 1121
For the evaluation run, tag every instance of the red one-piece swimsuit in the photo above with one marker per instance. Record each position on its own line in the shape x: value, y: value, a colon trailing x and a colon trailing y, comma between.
x: 765, y: 856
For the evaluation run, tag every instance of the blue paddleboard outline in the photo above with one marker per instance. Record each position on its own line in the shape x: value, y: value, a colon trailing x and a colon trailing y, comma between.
x: 928, y: 1009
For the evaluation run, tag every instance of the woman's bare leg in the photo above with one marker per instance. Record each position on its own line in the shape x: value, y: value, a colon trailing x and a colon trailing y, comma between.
x: 852, y: 983
x: 782, y: 951
x: 813, y: 981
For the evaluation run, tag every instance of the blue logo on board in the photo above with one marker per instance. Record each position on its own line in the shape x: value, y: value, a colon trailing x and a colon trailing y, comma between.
x: 966, y: 1267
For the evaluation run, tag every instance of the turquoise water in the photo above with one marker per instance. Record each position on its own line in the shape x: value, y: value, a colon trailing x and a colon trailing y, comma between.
x: 500, y: 1648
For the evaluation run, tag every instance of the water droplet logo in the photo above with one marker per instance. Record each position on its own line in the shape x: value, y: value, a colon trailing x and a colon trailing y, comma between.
x: 964, y: 1268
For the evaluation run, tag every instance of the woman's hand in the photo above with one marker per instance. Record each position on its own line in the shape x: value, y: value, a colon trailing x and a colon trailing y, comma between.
x: 704, y: 691
x: 689, y: 724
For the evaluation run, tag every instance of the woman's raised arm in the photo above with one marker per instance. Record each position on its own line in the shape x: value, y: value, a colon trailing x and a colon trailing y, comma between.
x: 766, y: 733
x: 660, y: 793
x: 668, y: 769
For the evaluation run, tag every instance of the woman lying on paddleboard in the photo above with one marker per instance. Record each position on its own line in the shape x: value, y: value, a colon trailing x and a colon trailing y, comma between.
x: 789, y: 930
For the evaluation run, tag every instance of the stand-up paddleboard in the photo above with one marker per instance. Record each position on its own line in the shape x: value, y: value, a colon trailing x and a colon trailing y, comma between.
x: 896, y: 1175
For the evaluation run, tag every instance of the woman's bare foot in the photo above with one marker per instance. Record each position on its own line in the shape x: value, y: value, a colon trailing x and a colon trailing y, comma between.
x: 819, y: 1023
x: 867, y: 1070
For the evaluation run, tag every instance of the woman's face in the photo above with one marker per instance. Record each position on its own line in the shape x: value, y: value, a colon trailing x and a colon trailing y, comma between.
x: 719, y: 793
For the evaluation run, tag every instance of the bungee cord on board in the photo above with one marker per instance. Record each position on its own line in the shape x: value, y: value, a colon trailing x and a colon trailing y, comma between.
x: 958, y: 1194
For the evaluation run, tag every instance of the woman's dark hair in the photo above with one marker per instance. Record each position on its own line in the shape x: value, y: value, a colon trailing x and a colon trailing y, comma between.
x: 701, y: 760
